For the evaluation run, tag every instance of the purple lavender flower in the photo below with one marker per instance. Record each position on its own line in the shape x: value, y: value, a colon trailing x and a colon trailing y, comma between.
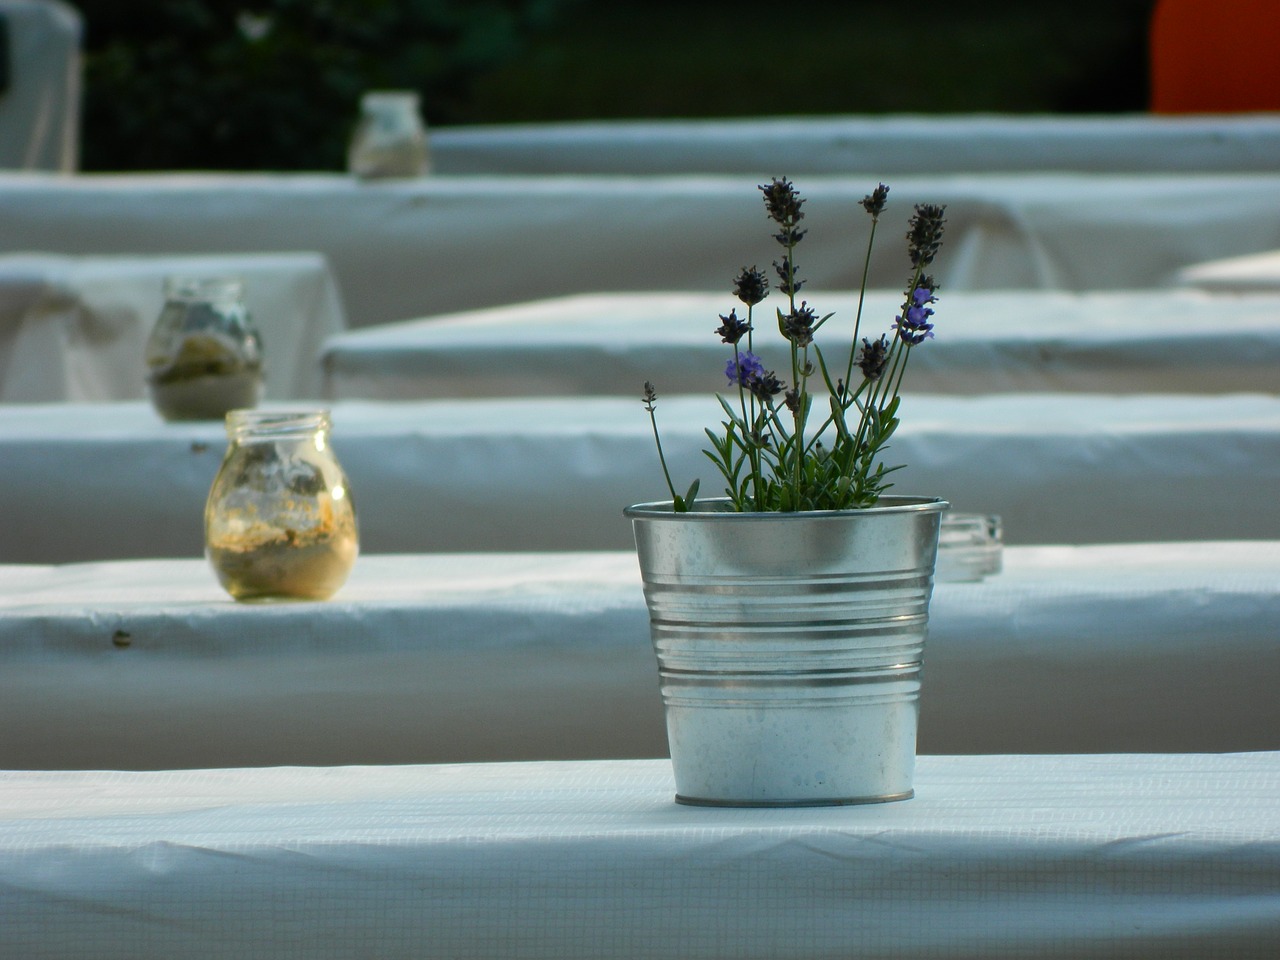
x: 765, y: 385
x: 913, y: 326
x: 742, y: 368
x: 874, y: 357
x: 751, y: 286
x: 923, y: 293
x: 925, y: 236
x: 797, y: 326
x: 733, y: 328
x: 786, y: 271
x: 782, y: 202
x: 874, y: 202
x: 650, y: 396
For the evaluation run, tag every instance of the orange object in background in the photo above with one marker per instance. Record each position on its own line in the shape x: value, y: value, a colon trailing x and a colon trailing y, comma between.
x: 1215, y: 56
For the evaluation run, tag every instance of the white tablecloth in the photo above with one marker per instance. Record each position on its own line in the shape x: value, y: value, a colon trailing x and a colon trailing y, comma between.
x: 464, y: 657
x: 438, y: 244
x: 112, y: 481
x: 903, y: 144
x: 1122, y: 342
x: 75, y: 328
x: 40, y: 112
x: 1161, y: 857
x: 1253, y: 273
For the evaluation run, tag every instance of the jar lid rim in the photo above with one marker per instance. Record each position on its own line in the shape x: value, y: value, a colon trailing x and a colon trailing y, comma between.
x: 182, y: 287
x: 254, y: 420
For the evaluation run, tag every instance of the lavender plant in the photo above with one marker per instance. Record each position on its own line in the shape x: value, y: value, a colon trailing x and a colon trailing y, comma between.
x: 814, y: 441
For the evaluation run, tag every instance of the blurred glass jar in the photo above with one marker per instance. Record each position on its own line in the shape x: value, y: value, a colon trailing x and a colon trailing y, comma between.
x: 390, y: 139
x: 970, y: 547
x: 204, y: 356
x: 280, y: 522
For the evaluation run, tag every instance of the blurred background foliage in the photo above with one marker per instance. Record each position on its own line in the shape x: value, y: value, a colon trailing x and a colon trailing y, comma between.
x: 275, y: 84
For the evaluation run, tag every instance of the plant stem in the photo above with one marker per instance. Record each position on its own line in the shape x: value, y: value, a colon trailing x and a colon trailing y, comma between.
x: 753, y: 451
x: 862, y: 294
x: 653, y: 421
x: 798, y: 413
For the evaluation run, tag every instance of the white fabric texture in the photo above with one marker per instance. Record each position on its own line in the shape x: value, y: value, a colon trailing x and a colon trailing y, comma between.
x: 413, y: 248
x: 464, y: 657
x: 75, y: 328
x: 1167, y: 857
x: 1148, y: 341
x: 902, y: 144
x: 1253, y: 273
x: 113, y: 481
x: 40, y: 112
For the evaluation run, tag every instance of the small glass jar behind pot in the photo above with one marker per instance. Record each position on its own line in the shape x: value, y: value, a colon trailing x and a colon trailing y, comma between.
x: 280, y: 523
x: 204, y: 356
x: 970, y: 547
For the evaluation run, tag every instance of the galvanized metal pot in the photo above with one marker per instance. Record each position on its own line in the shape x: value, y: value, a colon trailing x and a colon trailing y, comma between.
x: 789, y: 647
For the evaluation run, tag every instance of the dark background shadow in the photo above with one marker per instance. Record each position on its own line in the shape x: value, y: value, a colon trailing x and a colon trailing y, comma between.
x: 274, y: 85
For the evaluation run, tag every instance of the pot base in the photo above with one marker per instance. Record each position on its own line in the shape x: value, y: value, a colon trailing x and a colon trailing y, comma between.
x: 820, y: 802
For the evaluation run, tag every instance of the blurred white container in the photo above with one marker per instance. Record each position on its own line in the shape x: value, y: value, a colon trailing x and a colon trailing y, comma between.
x: 390, y: 139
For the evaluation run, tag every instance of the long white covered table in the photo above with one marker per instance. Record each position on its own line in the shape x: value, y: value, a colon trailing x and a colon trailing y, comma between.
x: 1125, y: 857
x: 112, y: 481
x: 951, y: 143
x: 461, y: 657
x: 75, y: 328
x: 438, y: 244
x: 1119, y: 342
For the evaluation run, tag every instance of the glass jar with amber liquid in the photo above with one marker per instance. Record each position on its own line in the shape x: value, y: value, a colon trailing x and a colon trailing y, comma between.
x: 280, y: 523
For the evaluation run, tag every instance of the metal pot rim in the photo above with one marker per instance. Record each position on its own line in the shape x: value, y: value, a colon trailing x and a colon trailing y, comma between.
x: 716, y: 510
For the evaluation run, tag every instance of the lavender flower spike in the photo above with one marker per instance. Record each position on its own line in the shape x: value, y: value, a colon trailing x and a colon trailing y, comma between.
x: 743, y: 369
x: 913, y: 326
x: 733, y: 328
x: 751, y: 286
x: 925, y: 236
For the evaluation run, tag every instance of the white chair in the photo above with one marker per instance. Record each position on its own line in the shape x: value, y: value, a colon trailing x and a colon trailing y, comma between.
x: 40, y: 104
